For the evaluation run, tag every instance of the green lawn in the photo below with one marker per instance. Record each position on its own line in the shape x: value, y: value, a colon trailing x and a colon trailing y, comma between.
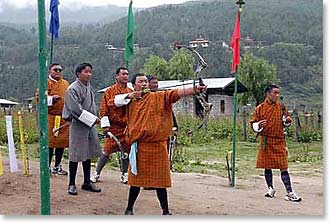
x: 304, y: 158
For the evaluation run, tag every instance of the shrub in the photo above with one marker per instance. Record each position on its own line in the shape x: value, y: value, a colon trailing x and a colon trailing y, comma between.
x: 308, y: 136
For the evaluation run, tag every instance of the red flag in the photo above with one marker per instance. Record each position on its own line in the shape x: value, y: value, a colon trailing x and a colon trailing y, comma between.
x: 235, y: 44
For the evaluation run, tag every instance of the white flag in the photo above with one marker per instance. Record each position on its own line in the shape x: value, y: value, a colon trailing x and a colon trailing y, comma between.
x: 11, y: 148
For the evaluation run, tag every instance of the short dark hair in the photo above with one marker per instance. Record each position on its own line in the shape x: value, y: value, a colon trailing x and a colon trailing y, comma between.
x: 120, y: 68
x: 270, y: 87
x: 151, y: 77
x: 82, y: 66
x: 53, y: 64
x: 136, y: 75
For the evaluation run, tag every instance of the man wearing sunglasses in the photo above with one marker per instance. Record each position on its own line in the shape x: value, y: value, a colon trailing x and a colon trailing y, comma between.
x: 55, y: 99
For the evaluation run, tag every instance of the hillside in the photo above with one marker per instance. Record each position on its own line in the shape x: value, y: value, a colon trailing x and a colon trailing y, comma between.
x: 290, y: 34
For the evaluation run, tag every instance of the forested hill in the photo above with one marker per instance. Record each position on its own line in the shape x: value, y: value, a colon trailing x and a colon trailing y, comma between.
x: 294, y: 21
x: 288, y: 33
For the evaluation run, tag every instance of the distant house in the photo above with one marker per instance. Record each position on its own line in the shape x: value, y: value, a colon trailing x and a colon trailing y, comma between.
x: 109, y: 46
x: 199, y: 42
x: 219, y: 92
x: 7, y: 105
x: 29, y: 103
x: 248, y: 42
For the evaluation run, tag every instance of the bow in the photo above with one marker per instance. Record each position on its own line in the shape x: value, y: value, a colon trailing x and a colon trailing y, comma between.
x: 171, y: 149
x: 123, y: 154
x: 201, y: 97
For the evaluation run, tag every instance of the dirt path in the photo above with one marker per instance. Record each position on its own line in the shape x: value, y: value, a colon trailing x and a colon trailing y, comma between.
x: 191, y: 194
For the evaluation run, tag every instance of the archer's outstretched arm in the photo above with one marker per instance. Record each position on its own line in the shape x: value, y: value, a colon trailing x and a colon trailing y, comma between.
x: 191, y: 90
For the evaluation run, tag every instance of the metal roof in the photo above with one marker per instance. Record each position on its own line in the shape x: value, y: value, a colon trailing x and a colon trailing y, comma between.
x: 212, y: 83
x: 7, y: 102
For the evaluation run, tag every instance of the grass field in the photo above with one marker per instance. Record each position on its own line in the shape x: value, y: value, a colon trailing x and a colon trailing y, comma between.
x: 204, y: 152
x: 211, y: 158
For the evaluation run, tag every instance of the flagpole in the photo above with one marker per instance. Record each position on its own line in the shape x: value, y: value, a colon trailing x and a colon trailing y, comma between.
x: 54, y: 25
x: 240, y: 3
x: 43, y: 113
x: 129, y: 44
x: 51, y: 49
x: 234, y: 131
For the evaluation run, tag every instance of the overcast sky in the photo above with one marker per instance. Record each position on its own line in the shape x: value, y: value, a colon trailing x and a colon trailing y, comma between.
x: 75, y: 3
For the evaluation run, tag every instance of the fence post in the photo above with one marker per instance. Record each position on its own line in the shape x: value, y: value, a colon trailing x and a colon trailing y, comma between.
x: 296, y: 125
x: 319, y: 119
x: 306, y: 118
x: 311, y: 118
x: 244, y: 113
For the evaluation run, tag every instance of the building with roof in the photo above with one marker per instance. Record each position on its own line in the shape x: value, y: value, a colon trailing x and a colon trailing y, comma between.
x: 7, y: 105
x: 199, y: 41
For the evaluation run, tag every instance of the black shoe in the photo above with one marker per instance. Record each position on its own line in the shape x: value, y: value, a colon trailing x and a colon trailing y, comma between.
x: 91, y: 187
x: 129, y: 212
x: 166, y: 212
x: 72, y: 190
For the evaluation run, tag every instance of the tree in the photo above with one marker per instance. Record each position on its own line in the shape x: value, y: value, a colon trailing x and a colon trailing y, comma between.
x: 255, y: 74
x: 181, y: 65
x: 156, y: 65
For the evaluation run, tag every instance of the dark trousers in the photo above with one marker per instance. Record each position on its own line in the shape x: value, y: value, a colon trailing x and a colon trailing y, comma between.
x: 73, y: 166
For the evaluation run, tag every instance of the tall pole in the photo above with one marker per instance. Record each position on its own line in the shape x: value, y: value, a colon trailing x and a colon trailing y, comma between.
x: 129, y: 44
x: 240, y: 3
x: 43, y: 113
x: 51, y: 49
x: 234, y: 132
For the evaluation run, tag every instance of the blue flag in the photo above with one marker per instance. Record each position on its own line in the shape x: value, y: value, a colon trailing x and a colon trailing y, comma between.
x: 54, y: 24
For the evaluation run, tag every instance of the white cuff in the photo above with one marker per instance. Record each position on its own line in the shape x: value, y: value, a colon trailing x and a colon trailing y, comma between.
x: 287, y: 124
x: 87, y: 118
x: 49, y: 100
x: 105, y: 122
x: 121, y: 100
x: 255, y: 127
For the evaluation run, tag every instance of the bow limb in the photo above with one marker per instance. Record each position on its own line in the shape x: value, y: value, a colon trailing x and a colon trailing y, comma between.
x: 123, y: 154
x: 201, y: 97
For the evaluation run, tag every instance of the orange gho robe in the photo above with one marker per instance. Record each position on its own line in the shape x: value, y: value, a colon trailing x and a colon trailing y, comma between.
x: 117, y: 117
x: 150, y: 124
x: 272, y: 150
x: 62, y: 139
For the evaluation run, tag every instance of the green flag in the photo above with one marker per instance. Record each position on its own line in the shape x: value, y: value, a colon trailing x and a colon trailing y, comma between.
x: 129, y: 46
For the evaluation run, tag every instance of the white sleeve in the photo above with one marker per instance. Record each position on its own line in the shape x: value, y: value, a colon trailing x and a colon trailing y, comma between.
x: 87, y: 118
x: 49, y: 100
x: 121, y: 100
x: 105, y: 122
x: 287, y: 124
x: 255, y: 127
